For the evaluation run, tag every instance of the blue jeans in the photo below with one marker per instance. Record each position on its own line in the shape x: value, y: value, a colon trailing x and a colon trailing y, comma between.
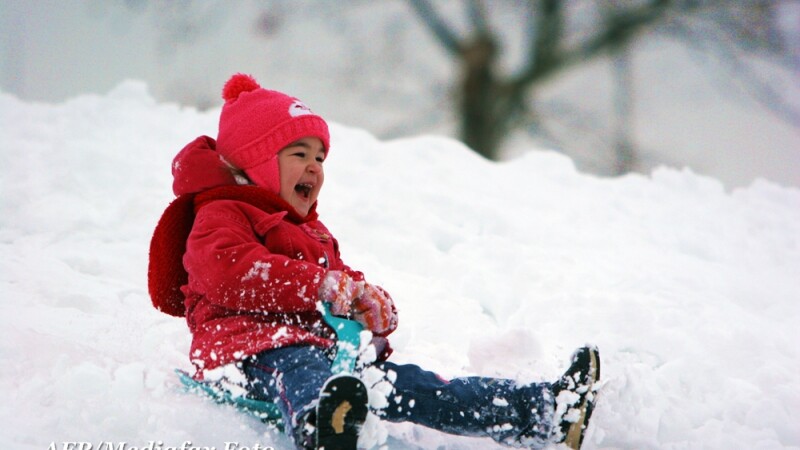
x: 471, y: 406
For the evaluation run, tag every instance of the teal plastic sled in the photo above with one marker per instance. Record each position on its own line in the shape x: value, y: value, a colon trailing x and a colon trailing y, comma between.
x: 348, y: 342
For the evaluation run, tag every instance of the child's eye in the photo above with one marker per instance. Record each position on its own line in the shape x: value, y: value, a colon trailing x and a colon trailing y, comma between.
x: 320, y: 159
x: 300, y: 154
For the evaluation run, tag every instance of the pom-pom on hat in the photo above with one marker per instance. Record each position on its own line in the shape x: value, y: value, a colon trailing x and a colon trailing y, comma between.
x: 256, y: 123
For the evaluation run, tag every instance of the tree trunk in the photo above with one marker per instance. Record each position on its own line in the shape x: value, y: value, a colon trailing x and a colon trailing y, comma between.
x: 481, y: 128
x: 625, y: 159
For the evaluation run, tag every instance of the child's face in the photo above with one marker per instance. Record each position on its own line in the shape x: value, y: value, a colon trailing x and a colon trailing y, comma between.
x: 300, y: 165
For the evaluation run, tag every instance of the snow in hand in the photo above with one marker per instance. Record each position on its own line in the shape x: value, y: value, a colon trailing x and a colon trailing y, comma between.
x: 501, y: 269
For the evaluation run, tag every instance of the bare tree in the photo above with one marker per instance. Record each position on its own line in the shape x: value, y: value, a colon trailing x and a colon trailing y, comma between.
x: 498, y: 94
x: 492, y: 103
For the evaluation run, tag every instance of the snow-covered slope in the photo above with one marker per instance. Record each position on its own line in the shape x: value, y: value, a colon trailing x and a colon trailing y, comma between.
x: 501, y: 269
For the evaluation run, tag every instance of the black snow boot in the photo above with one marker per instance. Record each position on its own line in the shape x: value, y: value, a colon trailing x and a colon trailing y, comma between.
x: 341, y: 412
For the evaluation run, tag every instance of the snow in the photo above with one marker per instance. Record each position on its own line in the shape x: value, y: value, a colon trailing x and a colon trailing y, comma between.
x: 689, y: 290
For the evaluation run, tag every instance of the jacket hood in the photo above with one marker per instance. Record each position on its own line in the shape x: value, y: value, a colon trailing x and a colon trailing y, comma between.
x: 198, y: 167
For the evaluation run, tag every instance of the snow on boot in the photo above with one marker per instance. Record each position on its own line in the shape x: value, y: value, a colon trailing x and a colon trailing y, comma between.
x: 574, y: 393
x: 341, y: 412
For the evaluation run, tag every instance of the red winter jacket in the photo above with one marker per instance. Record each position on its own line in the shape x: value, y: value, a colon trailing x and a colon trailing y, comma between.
x: 252, y: 266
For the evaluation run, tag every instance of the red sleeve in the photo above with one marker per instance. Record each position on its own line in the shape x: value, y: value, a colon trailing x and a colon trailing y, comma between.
x: 340, y: 265
x: 228, y: 264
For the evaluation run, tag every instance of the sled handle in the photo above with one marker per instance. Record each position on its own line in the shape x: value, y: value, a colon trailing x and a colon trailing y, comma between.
x: 348, y: 333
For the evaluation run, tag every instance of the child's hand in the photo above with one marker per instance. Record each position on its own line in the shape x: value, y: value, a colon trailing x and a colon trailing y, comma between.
x: 375, y: 310
x: 339, y: 289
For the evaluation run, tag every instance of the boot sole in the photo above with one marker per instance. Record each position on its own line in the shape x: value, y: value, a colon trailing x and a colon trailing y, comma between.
x: 341, y: 412
x: 576, y: 432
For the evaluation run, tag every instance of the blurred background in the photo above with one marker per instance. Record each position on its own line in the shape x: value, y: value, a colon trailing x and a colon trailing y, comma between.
x: 618, y: 86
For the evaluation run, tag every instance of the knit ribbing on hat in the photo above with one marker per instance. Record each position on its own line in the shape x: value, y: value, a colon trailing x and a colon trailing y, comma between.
x: 265, y: 147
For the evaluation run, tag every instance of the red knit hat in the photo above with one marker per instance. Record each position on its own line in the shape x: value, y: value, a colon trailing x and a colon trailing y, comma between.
x: 256, y: 123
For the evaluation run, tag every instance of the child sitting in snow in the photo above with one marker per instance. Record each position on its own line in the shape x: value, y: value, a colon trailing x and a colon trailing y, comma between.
x: 242, y: 256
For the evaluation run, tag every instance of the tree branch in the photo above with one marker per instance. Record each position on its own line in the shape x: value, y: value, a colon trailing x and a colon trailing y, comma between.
x: 750, y: 82
x: 477, y: 15
x: 620, y: 27
x: 545, y: 40
x: 431, y: 18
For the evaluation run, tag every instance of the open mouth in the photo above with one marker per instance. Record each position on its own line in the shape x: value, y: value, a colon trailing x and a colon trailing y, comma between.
x: 304, y: 189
